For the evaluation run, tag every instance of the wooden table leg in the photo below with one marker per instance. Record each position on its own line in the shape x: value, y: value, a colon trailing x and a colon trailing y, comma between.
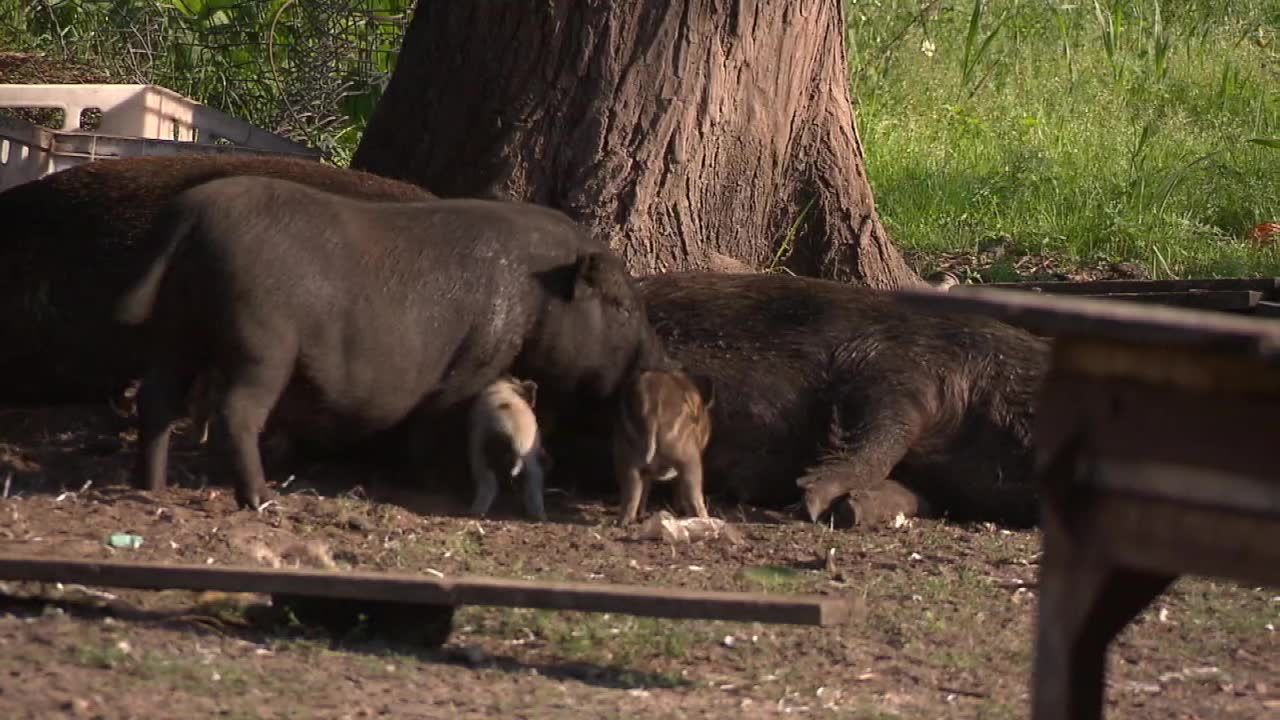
x: 1084, y: 602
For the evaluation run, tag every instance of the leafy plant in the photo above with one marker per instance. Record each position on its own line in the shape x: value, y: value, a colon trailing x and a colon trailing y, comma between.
x: 256, y: 60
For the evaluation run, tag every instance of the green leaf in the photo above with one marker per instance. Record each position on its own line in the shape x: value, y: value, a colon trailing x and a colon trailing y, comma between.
x: 966, y: 64
x: 190, y: 8
x: 1267, y: 142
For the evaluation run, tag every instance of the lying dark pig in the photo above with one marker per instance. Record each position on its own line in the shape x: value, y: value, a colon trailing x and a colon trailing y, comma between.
x: 835, y: 389
x: 74, y: 241
x: 371, y: 312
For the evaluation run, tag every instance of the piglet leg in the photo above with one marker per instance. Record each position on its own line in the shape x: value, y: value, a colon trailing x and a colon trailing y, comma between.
x: 489, y: 452
x: 486, y: 491
x: 633, y: 489
x: 534, y: 487
x: 690, y: 485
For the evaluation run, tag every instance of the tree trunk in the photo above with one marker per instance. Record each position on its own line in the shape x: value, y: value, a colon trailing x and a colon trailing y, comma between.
x: 690, y: 134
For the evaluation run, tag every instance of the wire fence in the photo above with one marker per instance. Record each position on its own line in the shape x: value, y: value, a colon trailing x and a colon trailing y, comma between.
x: 311, y: 70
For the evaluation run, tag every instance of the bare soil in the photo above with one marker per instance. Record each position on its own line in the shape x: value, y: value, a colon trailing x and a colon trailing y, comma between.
x: 942, y: 626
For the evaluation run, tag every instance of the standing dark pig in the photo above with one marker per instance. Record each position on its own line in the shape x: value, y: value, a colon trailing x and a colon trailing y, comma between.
x: 73, y: 242
x: 371, y: 311
x: 835, y: 389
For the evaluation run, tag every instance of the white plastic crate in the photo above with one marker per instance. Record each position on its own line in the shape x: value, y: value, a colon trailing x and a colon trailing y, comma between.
x: 137, y: 120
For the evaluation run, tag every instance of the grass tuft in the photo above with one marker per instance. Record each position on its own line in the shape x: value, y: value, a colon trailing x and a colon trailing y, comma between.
x: 1109, y: 131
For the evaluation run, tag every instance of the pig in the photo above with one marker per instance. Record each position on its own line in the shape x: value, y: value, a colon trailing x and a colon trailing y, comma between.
x: 842, y: 394
x: 663, y: 424
x: 74, y: 241
x: 504, y: 442
x: 370, y: 312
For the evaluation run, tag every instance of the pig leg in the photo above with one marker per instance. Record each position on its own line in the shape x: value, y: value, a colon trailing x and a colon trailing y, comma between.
x: 159, y: 407
x: 870, y: 436
x: 533, y: 487
x: 690, y: 484
x: 250, y: 395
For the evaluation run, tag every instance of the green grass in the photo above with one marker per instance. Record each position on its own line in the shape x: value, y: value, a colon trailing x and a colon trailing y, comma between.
x: 617, y: 641
x: 774, y: 579
x: 173, y: 671
x: 1115, y: 131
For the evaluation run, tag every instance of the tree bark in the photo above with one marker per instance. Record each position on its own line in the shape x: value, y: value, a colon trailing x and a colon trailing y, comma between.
x: 689, y: 134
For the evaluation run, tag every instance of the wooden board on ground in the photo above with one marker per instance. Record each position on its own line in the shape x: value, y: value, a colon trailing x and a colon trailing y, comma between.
x: 1229, y: 300
x: 1110, y: 320
x: 463, y: 590
x: 1247, y: 296
x: 1269, y: 287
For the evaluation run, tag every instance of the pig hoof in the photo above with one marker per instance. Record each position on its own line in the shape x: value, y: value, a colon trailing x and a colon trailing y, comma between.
x: 255, y: 501
x: 537, y: 513
x: 815, y: 504
x: 814, y: 501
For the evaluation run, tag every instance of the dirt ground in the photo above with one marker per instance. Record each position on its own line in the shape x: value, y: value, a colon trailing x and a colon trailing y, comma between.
x: 941, y: 625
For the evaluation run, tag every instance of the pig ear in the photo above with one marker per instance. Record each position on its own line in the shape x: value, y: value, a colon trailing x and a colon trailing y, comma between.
x: 706, y: 388
x: 586, y: 275
x: 529, y: 389
x: 572, y: 280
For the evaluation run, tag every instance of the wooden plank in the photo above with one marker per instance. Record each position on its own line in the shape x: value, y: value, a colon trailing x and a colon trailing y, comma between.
x: 1267, y: 308
x: 1150, y: 422
x: 1188, y: 486
x: 1232, y: 300
x: 462, y: 590
x: 1269, y: 287
x: 1172, y: 537
x: 1125, y: 322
